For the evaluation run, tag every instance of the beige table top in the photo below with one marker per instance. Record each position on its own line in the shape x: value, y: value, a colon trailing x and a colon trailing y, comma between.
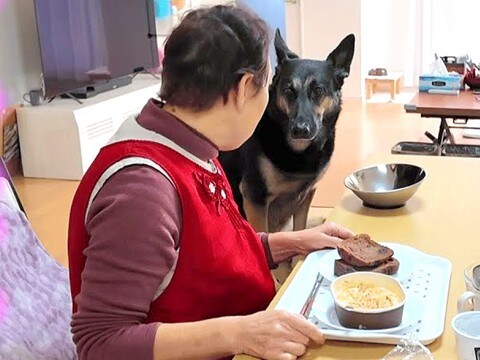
x: 443, y: 218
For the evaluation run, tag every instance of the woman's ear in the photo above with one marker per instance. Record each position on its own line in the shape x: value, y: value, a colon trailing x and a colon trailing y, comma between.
x: 244, y: 90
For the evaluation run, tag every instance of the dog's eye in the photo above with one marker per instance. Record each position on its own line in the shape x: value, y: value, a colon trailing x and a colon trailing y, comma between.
x: 289, y: 91
x: 318, y: 90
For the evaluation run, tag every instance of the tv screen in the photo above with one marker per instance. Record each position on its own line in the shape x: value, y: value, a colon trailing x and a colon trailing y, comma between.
x: 87, y: 42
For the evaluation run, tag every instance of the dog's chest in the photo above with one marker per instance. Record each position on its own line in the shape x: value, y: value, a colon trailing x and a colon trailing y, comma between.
x: 278, y: 183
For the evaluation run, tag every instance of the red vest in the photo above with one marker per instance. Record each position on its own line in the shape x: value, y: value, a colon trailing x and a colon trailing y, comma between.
x: 221, y: 268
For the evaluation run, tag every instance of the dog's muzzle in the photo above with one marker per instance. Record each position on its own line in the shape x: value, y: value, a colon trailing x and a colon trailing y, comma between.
x: 302, y: 131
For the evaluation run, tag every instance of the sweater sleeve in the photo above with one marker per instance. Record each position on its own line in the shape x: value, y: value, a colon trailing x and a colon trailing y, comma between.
x: 133, y: 225
x: 268, y: 252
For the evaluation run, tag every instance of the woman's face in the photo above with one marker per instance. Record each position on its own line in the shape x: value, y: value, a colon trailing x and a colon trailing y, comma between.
x: 250, y: 113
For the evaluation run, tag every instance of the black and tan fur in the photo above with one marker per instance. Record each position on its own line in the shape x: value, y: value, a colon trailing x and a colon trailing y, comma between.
x: 274, y: 174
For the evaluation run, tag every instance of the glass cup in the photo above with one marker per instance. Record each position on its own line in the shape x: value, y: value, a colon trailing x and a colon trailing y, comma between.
x: 470, y: 300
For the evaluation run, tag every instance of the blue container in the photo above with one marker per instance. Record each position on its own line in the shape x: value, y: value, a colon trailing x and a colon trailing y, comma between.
x: 163, y: 9
x: 440, y: 82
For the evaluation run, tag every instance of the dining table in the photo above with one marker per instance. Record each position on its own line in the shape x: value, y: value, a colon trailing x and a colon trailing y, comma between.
x: 441, y: 219
x: 460, y: 111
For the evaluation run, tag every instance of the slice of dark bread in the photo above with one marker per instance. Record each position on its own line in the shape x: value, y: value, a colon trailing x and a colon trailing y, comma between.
x: 363, y: 251
x: 389, y: 267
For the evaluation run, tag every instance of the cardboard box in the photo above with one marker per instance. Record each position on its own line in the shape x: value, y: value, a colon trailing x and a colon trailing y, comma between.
x: 440, y: 82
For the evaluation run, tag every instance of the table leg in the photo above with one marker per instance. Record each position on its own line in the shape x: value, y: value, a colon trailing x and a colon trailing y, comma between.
x: 448, y: 132
x: 441, y: 133
x: 368, y: 89
x: 392, y: 89
x: 398, y: 84
x: 444, y: 134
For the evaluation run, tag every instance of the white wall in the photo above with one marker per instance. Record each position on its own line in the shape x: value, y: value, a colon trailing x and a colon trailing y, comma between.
x: 384, y: 26
x: 292, y: 17
x: 20, y: 65
x: 321, y: 25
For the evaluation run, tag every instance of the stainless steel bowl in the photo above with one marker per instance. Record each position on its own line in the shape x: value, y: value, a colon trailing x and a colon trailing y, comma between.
x: 386, y: 186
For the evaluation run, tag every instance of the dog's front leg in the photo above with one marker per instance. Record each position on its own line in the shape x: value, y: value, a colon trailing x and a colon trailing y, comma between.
x: 300, y: 216
x: 257, y: 215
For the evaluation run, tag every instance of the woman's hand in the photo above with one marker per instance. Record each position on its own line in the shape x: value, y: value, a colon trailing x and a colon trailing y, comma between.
x: 327, y: 235
x: 276, y: 335
x: 285, y: 245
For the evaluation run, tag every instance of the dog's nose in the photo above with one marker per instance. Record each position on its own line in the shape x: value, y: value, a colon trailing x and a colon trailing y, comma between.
x: 300, y: 131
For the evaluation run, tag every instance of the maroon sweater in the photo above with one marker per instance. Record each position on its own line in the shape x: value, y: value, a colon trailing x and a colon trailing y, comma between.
x: 134, y: 226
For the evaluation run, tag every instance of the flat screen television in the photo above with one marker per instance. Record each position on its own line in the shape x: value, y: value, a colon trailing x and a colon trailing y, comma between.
x: 89, y: 46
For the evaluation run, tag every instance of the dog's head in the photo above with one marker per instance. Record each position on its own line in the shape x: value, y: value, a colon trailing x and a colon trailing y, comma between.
x: 308, y: 92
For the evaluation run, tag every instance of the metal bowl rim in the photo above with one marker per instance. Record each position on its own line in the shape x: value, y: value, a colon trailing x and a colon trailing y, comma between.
x: 385, y: 191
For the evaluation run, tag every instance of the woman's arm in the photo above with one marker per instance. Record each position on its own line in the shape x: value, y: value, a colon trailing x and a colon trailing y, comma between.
x: 285, y: 245
x: 133, y: 227
x: 209, y: 339
x: 275, y: 335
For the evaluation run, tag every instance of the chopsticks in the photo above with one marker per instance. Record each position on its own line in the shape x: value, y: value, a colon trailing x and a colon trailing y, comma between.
x: 307, y: 306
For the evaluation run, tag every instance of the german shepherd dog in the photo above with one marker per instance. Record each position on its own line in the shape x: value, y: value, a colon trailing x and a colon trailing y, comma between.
x: 274, y: 174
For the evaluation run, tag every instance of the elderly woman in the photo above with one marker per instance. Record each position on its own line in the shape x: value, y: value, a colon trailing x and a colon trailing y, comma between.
x: 162, y: 265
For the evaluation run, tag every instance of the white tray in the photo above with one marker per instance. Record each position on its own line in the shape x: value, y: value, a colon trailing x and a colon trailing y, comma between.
x: 427, y: 285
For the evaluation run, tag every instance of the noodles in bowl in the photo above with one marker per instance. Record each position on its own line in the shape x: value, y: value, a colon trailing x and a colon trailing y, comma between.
x: 368, y: 300
x: 361, y: 295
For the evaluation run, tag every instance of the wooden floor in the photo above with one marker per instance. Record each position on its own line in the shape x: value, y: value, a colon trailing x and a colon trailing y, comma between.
x: 363, y: 129
x: 47, y: 205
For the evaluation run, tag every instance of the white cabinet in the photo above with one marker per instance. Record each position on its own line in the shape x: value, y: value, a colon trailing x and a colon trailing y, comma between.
x: 60, y: 140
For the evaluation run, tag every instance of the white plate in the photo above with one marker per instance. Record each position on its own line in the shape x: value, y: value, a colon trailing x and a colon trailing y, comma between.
x: 412, y: 312
x: 401, y: 253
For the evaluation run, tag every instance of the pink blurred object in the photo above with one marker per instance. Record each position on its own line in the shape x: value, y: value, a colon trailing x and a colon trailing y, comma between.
x: 3, y: 305
x: 160, y: 56
x: 3, y: 97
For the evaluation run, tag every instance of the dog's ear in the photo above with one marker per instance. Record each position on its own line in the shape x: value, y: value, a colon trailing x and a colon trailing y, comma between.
x: 341, y: 58
x: 282, y: 50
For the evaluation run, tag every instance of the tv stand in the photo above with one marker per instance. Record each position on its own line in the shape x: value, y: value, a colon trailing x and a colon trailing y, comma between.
x: 59, y: 140
x: 145, y: 71
x: 98, y: 88
x: 71, y: 96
